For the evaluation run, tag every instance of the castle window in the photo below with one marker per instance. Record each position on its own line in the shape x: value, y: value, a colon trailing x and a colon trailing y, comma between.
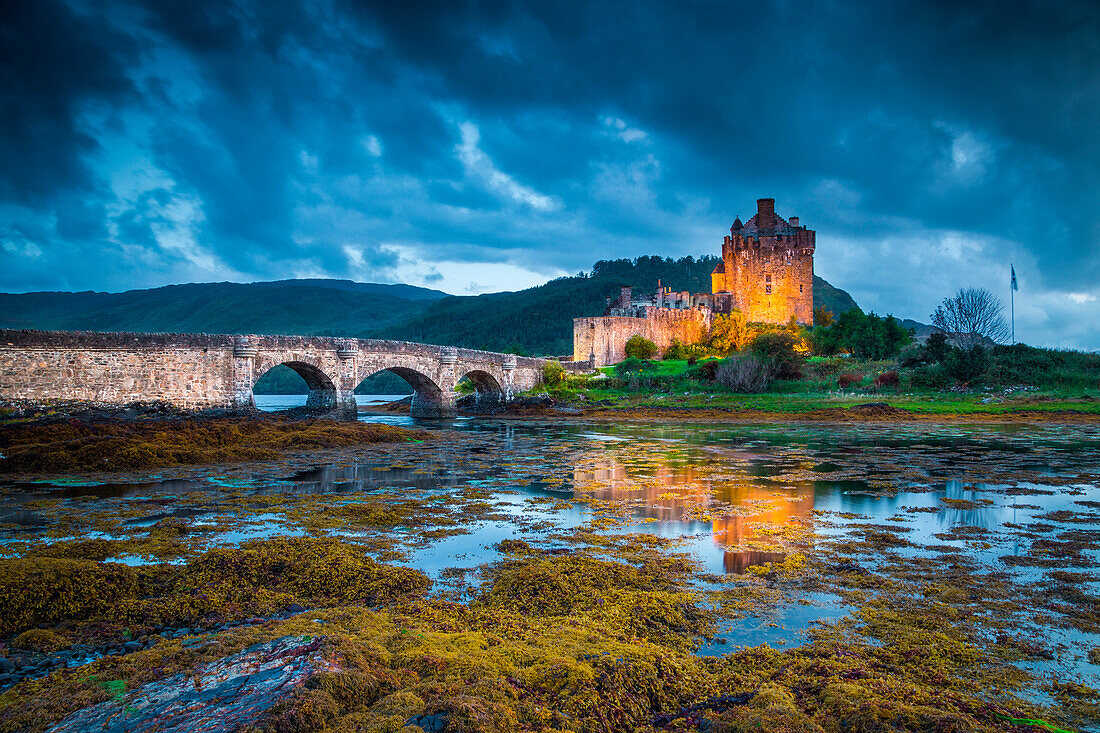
x: 800, y: 288
x: 767, y: 284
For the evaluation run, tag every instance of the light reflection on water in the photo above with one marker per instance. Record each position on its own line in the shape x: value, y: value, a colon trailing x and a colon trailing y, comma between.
x: 723, y: 489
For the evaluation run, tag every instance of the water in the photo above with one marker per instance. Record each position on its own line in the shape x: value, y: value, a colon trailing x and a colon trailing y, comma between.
x: 276, y: 402
x: 731, y: 495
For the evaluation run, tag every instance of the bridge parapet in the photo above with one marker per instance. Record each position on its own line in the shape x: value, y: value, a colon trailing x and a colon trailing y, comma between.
x: 219, y: 370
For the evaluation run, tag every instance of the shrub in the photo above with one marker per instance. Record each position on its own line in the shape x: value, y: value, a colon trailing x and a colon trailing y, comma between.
x: 823, y: 316
x: 937, y: 346
x: 553, y: 373
x: 1020, y: 364
x: 677, y: 351
x: 914, y: 356
x: 728, y: 332
x: 967, y: 366
x: 846, y: 380
x: 639, y: 347
x: 628, y: 366
x: 749, y: 373
x: 930, y: 376
x: 887, y: 379
x: 865, y: 336
x: 707, y: 370
x: 819, y: 368
x: 777, y: 347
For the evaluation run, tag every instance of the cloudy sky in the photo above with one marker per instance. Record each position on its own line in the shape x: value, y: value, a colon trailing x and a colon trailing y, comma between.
x: 477, y: 146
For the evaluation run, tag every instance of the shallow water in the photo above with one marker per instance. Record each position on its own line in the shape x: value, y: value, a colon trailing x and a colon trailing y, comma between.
x: 724, y: 492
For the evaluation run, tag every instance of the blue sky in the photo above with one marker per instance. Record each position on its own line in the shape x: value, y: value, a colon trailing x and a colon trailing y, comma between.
x: 473, y: 146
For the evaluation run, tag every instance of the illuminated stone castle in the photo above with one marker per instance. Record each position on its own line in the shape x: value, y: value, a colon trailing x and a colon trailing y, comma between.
x: 767, y: 269
x: 766, y: 272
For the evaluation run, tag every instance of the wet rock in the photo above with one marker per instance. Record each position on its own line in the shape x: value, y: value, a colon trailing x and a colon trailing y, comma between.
x: 295, y: 608
x: 433, y: 723
x: 228, y: 694
x: 133, y: 646
x: 6, y: 665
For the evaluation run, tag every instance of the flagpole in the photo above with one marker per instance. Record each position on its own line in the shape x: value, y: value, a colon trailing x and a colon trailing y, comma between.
x: 1012, y: 301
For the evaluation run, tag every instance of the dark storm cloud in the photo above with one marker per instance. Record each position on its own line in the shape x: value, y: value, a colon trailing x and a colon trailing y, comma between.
x: 54, y: 61
x: 925, y: 141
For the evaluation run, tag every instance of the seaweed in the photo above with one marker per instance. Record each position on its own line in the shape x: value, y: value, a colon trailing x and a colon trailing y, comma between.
x: 78, y: 446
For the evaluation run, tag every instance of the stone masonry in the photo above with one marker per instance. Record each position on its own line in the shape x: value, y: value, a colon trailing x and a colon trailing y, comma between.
x: 767, y: 268
x: 200, y: 371
x: 604, y: 337
x: 766, y: 272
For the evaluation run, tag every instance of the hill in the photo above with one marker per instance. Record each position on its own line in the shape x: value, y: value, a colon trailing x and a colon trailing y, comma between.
x: 539, y: 320
x: 309, y: 307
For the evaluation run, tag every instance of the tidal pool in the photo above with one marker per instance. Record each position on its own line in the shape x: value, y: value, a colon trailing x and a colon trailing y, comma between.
x: 1001, y: 524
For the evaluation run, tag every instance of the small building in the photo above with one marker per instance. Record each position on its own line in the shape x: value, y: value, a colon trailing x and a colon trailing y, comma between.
x: 766, y: 272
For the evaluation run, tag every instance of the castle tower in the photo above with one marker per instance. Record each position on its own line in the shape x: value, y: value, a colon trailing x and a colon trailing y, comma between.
x: 767, y: 268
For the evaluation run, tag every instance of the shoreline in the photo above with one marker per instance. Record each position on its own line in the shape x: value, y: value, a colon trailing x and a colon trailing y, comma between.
x: 869, y: 412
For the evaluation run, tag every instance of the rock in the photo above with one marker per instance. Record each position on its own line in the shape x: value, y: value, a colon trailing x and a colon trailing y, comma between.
x: 295, y: 608
x: 433, y: 723
x: 6, y: 665
x: 133, y: 646
x: 232, y: 693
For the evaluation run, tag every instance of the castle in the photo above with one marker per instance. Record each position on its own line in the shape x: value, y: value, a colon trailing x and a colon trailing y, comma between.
x: 766, y: 272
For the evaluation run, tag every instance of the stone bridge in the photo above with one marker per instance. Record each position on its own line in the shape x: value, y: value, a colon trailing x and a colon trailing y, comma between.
x: 200, y: 371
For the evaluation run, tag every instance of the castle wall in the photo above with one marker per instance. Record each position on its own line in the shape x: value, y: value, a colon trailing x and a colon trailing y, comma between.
x: 791, y: 280
x: 605, y: 336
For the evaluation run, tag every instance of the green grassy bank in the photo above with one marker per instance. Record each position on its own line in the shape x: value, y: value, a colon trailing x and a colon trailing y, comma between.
x: 832, y: 383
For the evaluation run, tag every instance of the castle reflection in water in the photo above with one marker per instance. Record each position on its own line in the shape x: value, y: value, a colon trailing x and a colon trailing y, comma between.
x: 679, y: 495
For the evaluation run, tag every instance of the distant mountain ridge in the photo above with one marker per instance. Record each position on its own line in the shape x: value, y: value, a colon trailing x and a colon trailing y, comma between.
x: 537, y: 320
x: 308, y: 307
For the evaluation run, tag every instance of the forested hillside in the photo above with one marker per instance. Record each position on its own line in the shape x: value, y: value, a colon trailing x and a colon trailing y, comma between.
x: 306, y: 307
x: 539, y: 320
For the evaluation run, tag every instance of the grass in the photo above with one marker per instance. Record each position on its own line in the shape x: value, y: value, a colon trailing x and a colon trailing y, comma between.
x: 676, y: 384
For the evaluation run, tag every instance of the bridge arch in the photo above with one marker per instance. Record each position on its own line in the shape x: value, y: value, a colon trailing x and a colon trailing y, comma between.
x: 427, y: 399
x: 489, y: 393
x: 323, y: 394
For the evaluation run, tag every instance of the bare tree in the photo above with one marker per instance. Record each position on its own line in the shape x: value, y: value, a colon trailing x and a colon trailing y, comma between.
x: 971, y: 317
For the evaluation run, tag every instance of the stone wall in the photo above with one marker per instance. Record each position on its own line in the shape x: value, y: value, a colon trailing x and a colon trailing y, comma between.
x: 188, y: 377
x: 604, y: 337
x: 791, y: 284
x: 201, y: 371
